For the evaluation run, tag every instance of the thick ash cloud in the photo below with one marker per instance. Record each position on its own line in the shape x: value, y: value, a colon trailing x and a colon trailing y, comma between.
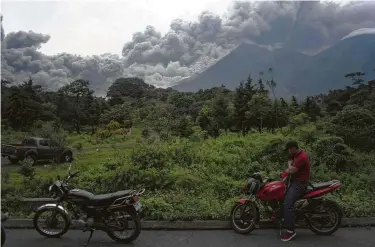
x: 189, y: 47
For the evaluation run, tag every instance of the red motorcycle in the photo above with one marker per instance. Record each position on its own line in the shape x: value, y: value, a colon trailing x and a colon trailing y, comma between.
x: 311, y: 211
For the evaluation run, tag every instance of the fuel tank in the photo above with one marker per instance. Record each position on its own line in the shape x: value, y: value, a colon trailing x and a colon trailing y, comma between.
x: 272, y: 191
x: 77, y: 195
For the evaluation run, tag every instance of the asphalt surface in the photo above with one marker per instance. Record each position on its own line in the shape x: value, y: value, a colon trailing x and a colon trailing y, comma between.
x: 345, y: 237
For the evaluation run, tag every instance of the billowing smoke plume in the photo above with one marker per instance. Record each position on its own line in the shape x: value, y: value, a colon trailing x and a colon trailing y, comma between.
x: 189, y: 47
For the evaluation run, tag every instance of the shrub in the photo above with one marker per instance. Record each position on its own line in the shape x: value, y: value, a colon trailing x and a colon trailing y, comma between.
x: 103, y: 134
x: 202, y: 179
x: 113, y: 125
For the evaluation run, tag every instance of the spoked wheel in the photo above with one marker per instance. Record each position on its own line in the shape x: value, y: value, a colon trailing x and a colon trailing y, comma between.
x: 326, y: 218
x: 51, y: 223
x: 127, y: 226
x: 244, y: 218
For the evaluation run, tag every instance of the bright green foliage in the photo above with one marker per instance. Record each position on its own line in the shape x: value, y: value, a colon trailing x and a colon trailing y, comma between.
x: 192, y: 151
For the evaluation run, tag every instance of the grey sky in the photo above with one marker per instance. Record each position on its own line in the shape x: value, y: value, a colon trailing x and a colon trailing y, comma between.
x: 89, y: 27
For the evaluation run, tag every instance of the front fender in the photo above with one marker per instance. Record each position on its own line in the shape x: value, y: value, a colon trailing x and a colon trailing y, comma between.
x: 53, y: 206
x: 252, y: 204
x: 242, y: 201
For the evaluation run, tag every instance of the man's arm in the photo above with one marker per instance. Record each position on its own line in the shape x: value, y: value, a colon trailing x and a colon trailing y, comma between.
x: 292, y: 169
x: 297, y: 166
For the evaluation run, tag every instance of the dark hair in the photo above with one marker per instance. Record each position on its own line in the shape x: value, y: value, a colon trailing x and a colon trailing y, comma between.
x: 291, y: 144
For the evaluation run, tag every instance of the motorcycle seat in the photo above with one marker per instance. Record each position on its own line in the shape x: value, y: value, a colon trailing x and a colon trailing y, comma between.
x: 108, y: 199
x: 317, y: 186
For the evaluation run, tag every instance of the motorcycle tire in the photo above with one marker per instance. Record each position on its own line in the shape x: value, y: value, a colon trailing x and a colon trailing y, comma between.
x: 2, y: 235
x: 336, y: 209
x: 255, y: 217
x: 41, y: 232
x: 135, y: 217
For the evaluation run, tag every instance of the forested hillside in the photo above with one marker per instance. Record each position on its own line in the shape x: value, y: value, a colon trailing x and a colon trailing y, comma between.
x: 193, y: 151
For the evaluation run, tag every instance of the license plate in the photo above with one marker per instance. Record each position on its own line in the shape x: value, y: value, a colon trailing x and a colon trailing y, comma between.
x: 138, y: 206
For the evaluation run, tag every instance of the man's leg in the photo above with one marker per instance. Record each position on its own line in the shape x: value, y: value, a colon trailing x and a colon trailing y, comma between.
x: 291, y: 197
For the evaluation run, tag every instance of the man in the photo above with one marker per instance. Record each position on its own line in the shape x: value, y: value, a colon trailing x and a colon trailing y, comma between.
x: 299, y: 170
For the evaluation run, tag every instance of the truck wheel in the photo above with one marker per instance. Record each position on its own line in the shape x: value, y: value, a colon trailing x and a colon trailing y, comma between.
x: 30, y: 159
x: 13, y: 161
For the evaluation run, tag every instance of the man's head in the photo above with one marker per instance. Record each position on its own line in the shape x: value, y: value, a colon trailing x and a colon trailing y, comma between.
x: 292, y: 147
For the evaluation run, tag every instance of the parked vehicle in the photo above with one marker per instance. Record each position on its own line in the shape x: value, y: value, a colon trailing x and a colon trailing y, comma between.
x: 311, y: 211
x: 4, y: 217
x: 110, y: 213
x: 34, y: 149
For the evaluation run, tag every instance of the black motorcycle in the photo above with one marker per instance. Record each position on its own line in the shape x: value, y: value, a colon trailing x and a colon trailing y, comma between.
x: 110, y: 213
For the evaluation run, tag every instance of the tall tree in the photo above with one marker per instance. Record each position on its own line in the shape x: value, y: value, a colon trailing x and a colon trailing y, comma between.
x: 242, y: 97
x: 260, y: 113
x: 21, y: 109
x: 220, y: 112
x: 272, y: 85
x: 74, y: 101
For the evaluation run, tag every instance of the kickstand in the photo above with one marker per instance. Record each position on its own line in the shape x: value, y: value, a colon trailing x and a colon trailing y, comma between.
x: 281, y: 227
x: 91, y: 232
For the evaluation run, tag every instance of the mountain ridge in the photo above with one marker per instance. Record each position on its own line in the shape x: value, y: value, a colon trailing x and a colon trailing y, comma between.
x: 295, y: 72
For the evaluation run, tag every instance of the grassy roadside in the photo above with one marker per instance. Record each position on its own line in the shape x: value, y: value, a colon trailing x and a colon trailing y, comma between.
x: 200, y: 179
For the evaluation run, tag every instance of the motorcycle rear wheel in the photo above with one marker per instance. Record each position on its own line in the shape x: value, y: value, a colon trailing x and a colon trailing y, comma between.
x: 249, y: 217
x: 333, y: 209
x: 137, y: 221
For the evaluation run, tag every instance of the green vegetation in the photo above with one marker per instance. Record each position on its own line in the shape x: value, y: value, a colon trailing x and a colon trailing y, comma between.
x: 192, y: 151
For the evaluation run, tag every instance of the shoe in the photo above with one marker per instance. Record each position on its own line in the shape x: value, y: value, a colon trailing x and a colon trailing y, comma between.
x: 288, y: 235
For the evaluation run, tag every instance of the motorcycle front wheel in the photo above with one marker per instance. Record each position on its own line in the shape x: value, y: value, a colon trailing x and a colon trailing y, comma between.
x: 51, y: 221
x: 2, y: 236
x: 244, y: 217
x: 121, y: 219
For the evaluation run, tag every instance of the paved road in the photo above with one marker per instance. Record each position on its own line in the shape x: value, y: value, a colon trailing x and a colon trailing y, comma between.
x: 358, y: 237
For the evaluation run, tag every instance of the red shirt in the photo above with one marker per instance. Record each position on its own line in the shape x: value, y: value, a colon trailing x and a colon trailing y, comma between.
x: 302, y: 161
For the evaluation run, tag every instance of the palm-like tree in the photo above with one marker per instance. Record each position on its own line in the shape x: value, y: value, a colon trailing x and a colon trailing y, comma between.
x: 272, y: 85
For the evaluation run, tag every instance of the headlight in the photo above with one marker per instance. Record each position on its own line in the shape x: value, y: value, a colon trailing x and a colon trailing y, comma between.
x: 50, y: 188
